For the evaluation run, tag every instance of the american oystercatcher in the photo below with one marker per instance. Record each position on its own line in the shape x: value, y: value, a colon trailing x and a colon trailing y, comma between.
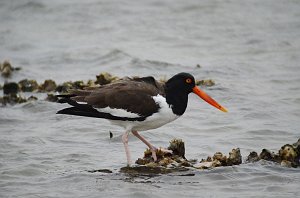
x: 137, y: 104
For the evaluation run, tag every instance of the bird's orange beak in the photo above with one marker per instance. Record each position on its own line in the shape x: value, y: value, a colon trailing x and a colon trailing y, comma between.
x: 208, y: 99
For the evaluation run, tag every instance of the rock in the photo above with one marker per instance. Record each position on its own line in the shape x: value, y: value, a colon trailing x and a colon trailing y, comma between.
x: 286, y: 163
x: 207, y: 83
x: 65, y: 87
x: 11, y: 88
x: 32, y: 98
x: 160, y: 154
x: 288, y: 153
x: 12, y: 99
x: 51, y: 97
x: 267, y: 155
x: 90, y: 83
x: 6, y: 69
x: 28, y: 85
x: 105, y: 78
x: 48, y: 86
x: 150, y: 171
x: 218, y: 156
x: 234, y: 158
x: 100, y: 171
x: 165, y: 161
x: 253, y: 157
x: 177, y: 147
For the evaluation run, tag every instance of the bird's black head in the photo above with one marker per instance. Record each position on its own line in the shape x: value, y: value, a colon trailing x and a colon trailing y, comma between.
x: 182, y: 82
x: 177, y: 90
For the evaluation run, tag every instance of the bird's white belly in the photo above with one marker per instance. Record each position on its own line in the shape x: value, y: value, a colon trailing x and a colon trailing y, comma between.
x: 158, y: 119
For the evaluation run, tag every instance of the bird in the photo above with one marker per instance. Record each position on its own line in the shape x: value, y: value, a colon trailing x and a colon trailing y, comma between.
x: 136, y: 104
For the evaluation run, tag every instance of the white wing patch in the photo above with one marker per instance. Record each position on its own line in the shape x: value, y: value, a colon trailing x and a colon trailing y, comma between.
x: 118, y: 112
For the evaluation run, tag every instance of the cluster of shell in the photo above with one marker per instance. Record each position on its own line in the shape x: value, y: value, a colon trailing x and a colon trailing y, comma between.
x: 288, y: 155
x: 12, y: 91
x: 173, y: 159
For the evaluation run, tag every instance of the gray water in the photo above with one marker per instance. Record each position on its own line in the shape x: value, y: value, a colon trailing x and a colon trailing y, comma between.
x: 250, y: 48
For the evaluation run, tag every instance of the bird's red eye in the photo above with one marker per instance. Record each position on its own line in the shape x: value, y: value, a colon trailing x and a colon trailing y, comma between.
x: 188, y: 80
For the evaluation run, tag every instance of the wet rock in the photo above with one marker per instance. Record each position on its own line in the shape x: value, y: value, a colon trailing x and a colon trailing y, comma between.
x: 150, y: 171
x: 160, y: 154
x: 66, y: 86
x: 177, y: 147
x: 32, y: 98
x: 267, y: 155
x: 51, y: 97
x: 6, y: 69
x: 234, y: 158
x: 28, y: 85
x: 105, y: 78
x: 218, y: 156
x: 288, y: 153
x: 100, y: 171
x: 63, y: 88
x: 11, y: 88
x: 12, y: 99
x: 90, y: 83
x: 253, y: 157
x: 168, y: 160
x: 207, y: 83
x: 288, y: 164
x: 48, y: 86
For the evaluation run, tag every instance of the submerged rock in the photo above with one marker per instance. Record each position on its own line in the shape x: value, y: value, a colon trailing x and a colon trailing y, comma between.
x: 100, y: 171
x: 12, y: 99
x: 253, y: 157
x: 6, y: 69
x: 234, y: 158
x: 32, y: 98
x: 51, y: 97
x: 287, y: 152
x: 105, y: 78
x: 11, y: 88
x: 28, y: 85
x: 48, y: 86
x: 173, y: 160
x: 288, y: 155
x: 66, y: 86
x: 177, y: 147
x: 207, y: 83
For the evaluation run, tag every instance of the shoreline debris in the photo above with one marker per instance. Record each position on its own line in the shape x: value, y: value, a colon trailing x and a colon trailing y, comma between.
x: 6, y: 69
x: 173, y: 159
x: 49, y: 86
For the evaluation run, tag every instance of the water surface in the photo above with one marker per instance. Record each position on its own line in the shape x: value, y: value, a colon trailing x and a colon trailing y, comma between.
x: 250, y: 48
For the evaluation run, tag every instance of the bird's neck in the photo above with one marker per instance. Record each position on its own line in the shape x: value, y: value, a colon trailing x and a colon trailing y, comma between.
x: 177, y: 100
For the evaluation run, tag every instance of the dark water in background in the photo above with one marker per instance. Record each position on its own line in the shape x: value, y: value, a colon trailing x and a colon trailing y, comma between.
x: 250, y: 48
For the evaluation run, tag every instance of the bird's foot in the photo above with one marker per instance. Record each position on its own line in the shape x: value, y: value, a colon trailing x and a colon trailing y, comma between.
x: 153, y: 151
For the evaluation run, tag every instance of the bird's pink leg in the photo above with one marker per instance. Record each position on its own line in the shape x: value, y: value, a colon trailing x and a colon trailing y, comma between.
x: 125, y: 142
x: 152, y: 148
